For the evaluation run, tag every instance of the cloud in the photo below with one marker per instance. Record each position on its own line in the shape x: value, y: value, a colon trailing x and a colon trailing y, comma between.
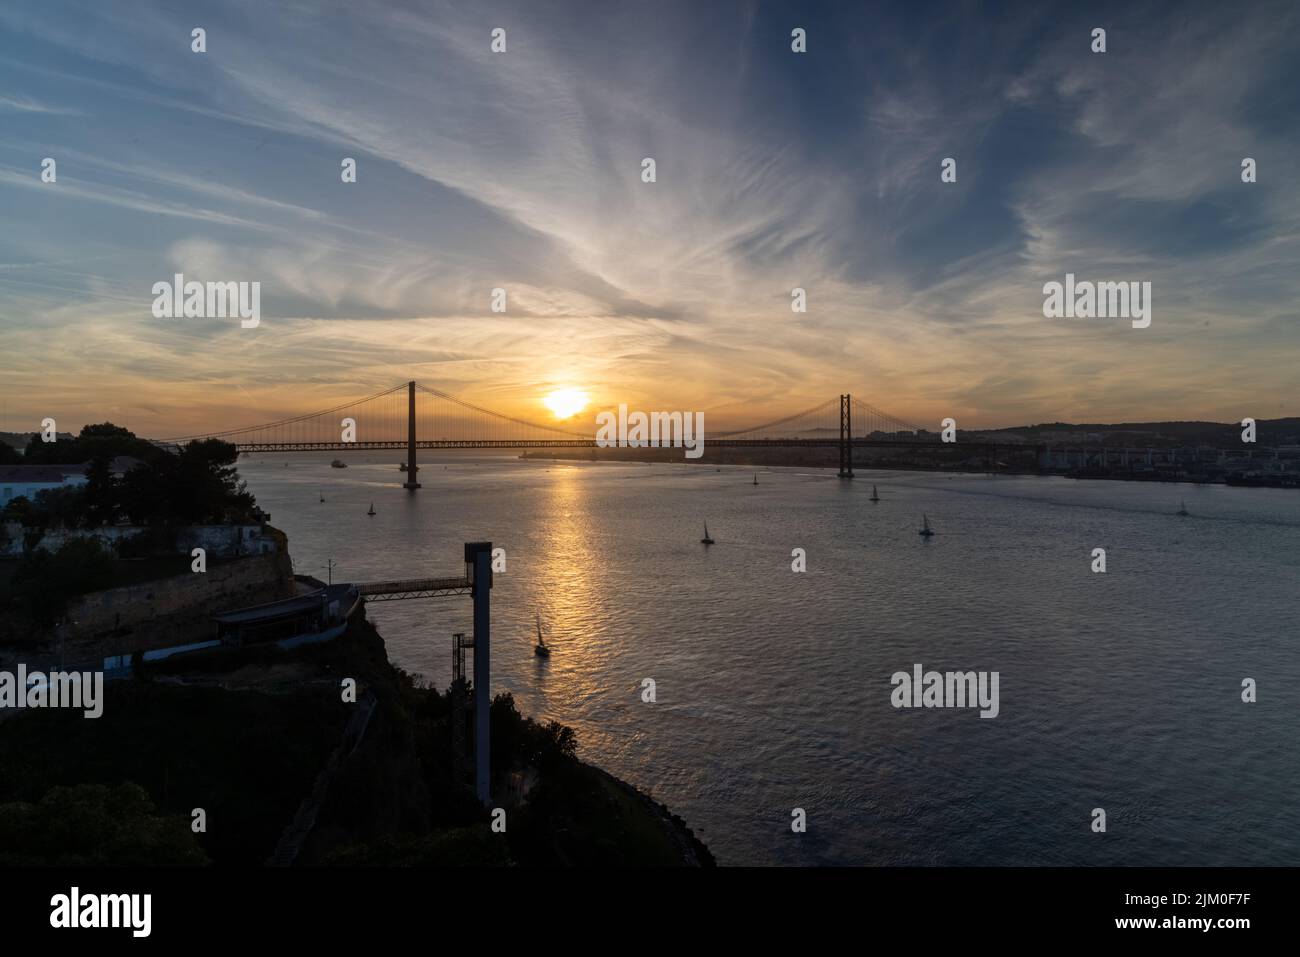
x: 23, y: 104
x: 775, y: 170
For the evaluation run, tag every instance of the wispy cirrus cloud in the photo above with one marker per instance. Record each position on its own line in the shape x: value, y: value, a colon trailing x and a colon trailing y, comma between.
x: 775, y: 170
x: 24, y: 104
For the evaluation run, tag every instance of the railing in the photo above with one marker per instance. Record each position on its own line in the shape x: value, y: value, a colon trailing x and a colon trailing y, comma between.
x: 399, y: 589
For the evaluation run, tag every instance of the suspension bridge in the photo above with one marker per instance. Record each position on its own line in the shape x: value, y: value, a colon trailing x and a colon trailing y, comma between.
x: 412, y: 416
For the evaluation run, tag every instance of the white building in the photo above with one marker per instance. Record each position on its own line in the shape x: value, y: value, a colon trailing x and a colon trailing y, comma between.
x: 27, y: 480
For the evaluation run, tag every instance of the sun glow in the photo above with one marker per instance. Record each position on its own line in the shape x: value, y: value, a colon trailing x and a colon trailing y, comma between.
x: 564, y: 403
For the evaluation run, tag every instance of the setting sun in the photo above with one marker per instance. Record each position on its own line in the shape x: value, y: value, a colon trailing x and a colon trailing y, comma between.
x: 566, y: 402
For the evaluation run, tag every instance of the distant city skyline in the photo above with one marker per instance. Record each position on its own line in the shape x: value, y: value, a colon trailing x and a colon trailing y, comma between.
x: 522, y: 171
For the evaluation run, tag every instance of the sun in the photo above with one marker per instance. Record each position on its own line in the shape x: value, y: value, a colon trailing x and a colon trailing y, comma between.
x: 564, y: 403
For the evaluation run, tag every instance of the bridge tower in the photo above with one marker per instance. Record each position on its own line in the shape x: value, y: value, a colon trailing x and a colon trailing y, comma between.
x: 411, y: 482
x: 846, y: 436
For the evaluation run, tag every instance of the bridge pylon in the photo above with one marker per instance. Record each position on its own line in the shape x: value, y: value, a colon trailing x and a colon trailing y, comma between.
x: 411, y: 482
x: 846, y: 437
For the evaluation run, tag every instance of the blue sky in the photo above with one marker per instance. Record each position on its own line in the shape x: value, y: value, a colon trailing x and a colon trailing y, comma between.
x: 775, y: 170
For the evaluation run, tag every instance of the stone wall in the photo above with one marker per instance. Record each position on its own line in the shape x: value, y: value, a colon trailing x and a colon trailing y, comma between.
x: 171, y: 611
x: 220, y: 541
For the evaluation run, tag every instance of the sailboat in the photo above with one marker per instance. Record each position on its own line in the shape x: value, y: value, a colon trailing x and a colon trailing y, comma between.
x: 322, y: 496
x: 706, y: 540
x: 875, y: 496
x: 1182, y: 508
x: 926, y: 531
x: 372, y: 509
x: 540, y: 649
x: 755, y: 479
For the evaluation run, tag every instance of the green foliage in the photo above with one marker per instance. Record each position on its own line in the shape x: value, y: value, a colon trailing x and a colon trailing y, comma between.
x: 17, y: 509
x: 105, y: 439
x: 580, y: 816
x: 575, y: 814
x: 199, y: 485
x: 44, y: 583
x: 521, y: 741
x: 63, y: 507
x: 95, y: 825
x: 101, y: 492
x: 245, y: 757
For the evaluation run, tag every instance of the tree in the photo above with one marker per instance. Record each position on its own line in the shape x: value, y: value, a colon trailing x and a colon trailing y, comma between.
x: 199, y: 484
x: 208, y: 488
x: 17, y: 509
x: 63, y: 507
x: 101, y: 491
x: 9, y: 455
x: 44, y: 583
x: 95, y: 825
x: 146, y: 492
x: 104, y: 438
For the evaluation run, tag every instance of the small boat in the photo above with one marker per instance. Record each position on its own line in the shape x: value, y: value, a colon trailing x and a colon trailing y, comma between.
x: 1182, y: 508
x: 372, y: 509
x: 926, y: 531
x: 875, y: 496
x: 755, y: 479
x: 402, y: 467
x: 540, y: 649
x: 338, y: 464
x: 322, y: 496
x: 706, y: 540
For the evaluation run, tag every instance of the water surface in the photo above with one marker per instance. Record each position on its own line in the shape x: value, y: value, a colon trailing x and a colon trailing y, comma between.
x: 1119, y: 690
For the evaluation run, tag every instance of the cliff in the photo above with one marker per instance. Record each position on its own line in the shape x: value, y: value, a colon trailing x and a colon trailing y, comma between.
x: 159, y: 600
x: 289, y: 772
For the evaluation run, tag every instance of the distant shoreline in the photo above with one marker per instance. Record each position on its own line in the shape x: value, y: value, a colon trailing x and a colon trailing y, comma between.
x: 733, y: 461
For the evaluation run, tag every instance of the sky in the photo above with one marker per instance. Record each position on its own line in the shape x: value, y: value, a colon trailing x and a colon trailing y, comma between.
x: 774, y: 170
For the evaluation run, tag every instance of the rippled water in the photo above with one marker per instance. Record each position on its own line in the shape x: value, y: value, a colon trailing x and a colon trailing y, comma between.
x: 1119, y: 690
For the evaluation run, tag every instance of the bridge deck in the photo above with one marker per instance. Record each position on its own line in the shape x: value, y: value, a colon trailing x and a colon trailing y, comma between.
x: 398, y: 589
x: 721, y: 442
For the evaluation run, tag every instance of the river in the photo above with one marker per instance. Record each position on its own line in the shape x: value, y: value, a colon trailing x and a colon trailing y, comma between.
x: 1119, y: 690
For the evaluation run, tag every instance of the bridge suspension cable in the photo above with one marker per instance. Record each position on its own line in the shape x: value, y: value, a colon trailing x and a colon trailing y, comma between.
x: 822, y: 407
x: 439, y: 394
x: 291, y: 421
x: 383, y: 421
x: 874, y: 420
